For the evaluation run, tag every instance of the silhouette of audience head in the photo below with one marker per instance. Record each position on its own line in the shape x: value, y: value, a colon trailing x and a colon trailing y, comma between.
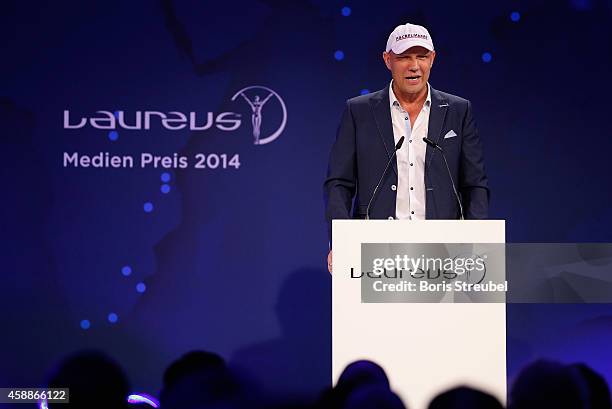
x: 598, y: 391
x: 192, y: 363
x: 94, y: 379
x: 198, y: 379
x: 464, y: 397
x: 548, y: 384
x: 356, y: 375
x: 360, y: 373
x: 373, y: 396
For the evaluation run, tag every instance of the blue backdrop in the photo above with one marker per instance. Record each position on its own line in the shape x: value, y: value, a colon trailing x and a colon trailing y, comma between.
x: 149, y: 262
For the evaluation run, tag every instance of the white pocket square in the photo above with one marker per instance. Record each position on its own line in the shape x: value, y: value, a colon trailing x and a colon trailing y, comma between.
x: 450, y: 134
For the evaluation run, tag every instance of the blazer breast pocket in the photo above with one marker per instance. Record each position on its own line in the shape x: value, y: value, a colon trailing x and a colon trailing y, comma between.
x: 449, y: 135
x: 449, y: 140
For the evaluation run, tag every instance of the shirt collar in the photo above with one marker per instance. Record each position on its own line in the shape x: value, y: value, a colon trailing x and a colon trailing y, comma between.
x: 395, y: 103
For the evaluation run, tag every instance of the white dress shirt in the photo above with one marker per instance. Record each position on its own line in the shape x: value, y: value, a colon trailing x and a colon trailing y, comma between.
x: 410, y: 188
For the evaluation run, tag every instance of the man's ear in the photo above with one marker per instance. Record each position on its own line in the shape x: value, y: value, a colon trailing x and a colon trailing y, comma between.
x: 433, y: 57
x: 387, y: 59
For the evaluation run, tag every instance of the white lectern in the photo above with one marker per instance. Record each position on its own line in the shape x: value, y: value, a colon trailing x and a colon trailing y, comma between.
x: 425, y: 348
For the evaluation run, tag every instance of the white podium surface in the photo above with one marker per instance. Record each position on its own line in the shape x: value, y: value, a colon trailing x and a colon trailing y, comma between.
x: 425, y: 348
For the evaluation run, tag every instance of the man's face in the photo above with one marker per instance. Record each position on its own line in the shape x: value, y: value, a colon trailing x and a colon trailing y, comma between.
x: 410, y: 69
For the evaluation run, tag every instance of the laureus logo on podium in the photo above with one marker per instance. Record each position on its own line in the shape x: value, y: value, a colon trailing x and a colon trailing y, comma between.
x: 258, y: 96
x: 474, y: 268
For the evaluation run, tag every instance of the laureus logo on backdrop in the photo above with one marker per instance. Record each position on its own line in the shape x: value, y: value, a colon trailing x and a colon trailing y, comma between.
x: 256, y: 96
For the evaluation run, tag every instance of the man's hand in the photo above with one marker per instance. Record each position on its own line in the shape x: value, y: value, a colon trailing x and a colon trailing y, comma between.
x: 329, y: 262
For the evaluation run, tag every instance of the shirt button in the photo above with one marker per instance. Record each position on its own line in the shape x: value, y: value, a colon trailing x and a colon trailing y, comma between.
x: 411, y: 164
x: 390, y: 217
x: 406, y: 118
x: 410, y: 140
x: 412, y: 212
x: 411, y: 188
x: 393, y: 187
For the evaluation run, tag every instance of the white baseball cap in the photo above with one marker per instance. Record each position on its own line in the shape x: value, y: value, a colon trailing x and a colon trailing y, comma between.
x: 409, y: 35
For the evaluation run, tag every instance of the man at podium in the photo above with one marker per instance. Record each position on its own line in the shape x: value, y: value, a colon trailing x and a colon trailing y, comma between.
x: 407, y: 151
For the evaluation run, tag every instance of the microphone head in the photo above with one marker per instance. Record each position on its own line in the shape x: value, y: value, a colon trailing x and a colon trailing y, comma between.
x: 399, y: 143
x: 429, y: 142
x: 433, y: 144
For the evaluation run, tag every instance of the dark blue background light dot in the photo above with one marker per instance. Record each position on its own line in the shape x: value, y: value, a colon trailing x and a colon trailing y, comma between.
x: 487, y: 57
x: 113, y: 135
x: 165, y: 177
x: 148, y: 207
x: 582, y: 4
x: 364, y: 91
x: 515, y: 16
x: 339, y: 55
x: 346, y: 11
x: 126, y: 270
x: 141, y: 287
x: 112, y: 318
x: 85, y: 324
x: 165, y: 188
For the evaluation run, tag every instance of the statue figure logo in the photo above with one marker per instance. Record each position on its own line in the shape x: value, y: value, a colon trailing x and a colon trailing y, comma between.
x: 257, y: 104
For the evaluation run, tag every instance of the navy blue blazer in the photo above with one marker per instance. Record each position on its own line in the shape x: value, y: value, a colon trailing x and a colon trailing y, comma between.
x: 364, y: 143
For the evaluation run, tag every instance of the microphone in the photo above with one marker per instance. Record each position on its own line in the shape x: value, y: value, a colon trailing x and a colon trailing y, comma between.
x: 398, y: 145
x: 438, y: 147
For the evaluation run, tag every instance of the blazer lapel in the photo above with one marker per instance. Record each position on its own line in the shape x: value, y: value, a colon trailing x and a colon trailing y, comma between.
x: 382, y: 116
x: 437, y: 113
